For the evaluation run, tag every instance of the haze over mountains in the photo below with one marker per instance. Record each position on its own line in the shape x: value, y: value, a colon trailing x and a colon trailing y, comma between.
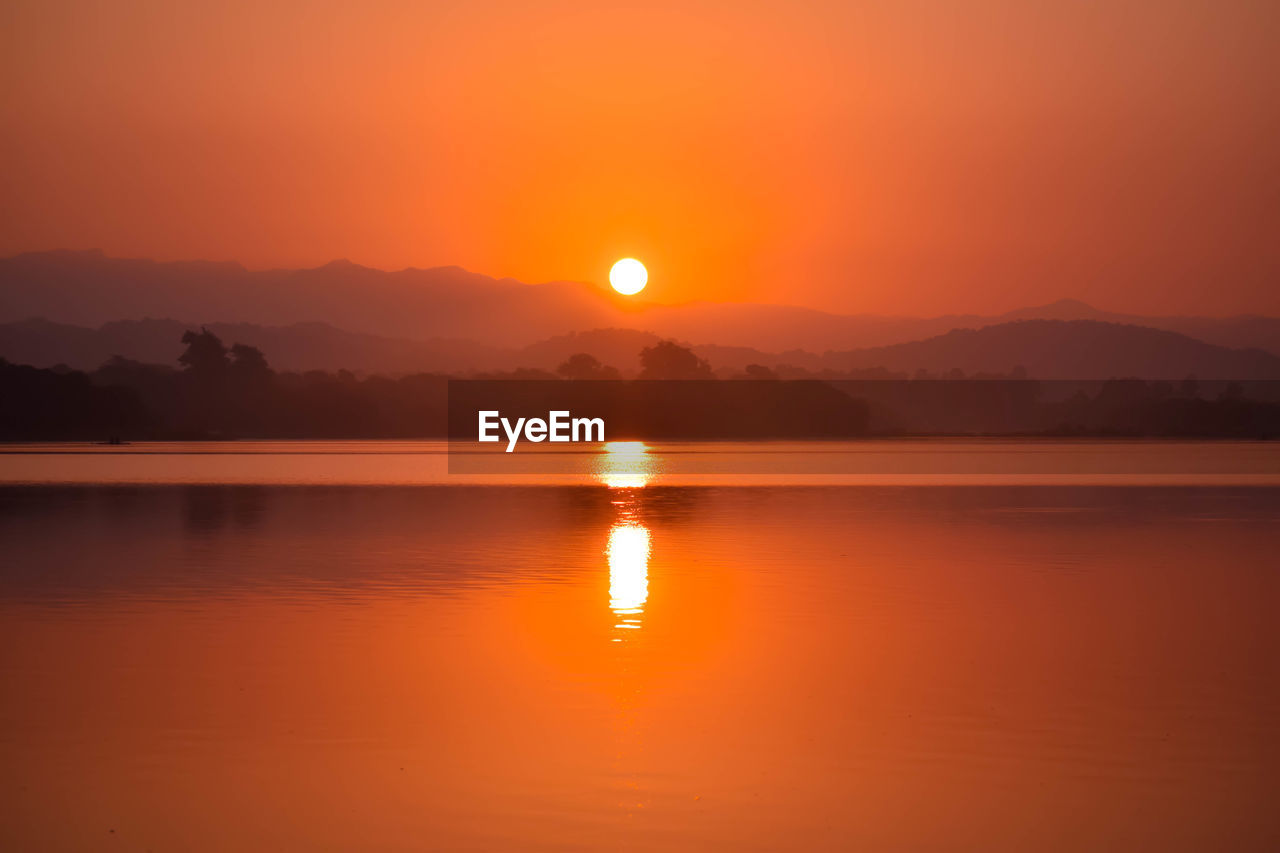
x: 446, y: 319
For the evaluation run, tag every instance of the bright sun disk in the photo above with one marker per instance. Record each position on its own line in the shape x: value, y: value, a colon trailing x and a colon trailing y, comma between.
x: 628, y: 276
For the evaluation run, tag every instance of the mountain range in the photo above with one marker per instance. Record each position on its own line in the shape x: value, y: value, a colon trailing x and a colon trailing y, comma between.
x: 88, y: 288
x: 1045, y: 349
x: 79, y: 308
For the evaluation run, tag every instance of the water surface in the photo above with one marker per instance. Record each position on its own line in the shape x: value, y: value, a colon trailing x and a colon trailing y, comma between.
x: 254, y: 667
x: 985, y: 461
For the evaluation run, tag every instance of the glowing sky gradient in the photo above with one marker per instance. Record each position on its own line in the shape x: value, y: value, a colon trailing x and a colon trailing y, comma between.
x: 904, y: 157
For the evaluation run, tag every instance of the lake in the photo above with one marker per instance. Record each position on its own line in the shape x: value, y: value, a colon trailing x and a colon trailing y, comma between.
x: 875, y: 646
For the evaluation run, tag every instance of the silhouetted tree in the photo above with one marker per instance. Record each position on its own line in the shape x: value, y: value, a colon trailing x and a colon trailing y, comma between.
x: 205, y: 353
x: 521, y: 373
x: 249, y: 361
x: 669, y: 360
x: 583, y: 365
x: 758, y: 371
x: 48, y: 404
x: 119, y: 370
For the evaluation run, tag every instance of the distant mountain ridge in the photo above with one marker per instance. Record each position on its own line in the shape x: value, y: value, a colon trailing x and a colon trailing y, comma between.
x: 88, y: 288
x: 1046, y: 349
x: 296, y: 347
x: 1067, y: 349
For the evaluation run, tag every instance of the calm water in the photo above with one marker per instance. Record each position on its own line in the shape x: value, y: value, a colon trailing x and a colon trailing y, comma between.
x: 256, y: 666
x: 417, y: 463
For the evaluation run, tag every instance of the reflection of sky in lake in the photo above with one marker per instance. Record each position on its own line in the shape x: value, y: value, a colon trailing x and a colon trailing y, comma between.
x: 388, y: 665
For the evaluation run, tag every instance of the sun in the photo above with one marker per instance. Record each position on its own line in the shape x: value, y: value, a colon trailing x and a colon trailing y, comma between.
x: 628, y: 276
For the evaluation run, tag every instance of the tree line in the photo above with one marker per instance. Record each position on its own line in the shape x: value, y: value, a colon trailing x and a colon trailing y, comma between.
x: 221, y: 392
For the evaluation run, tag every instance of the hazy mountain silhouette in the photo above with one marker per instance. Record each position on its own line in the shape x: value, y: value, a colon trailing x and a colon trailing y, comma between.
x: 320, y: 346
x: 1244, y: 330
x: 619, y: 348
x: 90, y: 289
x: 1046, y: 349
x: 1067, y: 349
x: 297, y: 347
x: 781, y: 327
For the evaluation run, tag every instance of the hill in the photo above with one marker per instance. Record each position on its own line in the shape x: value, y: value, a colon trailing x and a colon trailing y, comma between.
x: 449, y: 303
x: 1046, y: 349
x: 89, y: 289
x: 1066, y: 349
x: 296, y: 347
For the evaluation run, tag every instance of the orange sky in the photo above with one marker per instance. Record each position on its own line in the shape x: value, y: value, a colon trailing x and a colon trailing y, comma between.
x: 913, y: 157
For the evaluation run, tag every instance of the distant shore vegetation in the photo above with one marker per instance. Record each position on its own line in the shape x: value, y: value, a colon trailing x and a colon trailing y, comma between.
x: 216, y: 391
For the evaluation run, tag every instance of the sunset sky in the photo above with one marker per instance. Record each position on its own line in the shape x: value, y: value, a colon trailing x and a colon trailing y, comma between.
x: 904, y: 157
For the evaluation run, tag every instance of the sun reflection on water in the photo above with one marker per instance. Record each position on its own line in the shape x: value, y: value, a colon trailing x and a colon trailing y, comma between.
x: 628, y: 554
x: 625, y: 465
